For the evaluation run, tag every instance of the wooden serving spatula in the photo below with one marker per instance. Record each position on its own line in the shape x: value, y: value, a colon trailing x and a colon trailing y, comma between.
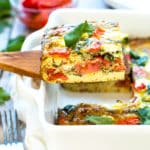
x: 24, y: 63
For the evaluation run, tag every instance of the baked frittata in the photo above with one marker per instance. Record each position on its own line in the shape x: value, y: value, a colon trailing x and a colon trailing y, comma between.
x: 88, y: 52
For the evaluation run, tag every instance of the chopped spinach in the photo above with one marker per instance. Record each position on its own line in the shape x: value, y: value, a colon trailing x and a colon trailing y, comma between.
x: 109, y: 57
x: 94, y: 119
x: 72, y: 37
x: 148, y: 89
x: 134, y: 54
x: 144, y: 114
x: 141, y: 61
x: 68, y: 108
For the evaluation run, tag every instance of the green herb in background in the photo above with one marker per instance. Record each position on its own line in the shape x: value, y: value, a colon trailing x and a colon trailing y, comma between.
x: 144, y: 114
x: 72, y: 37
x: 5, y: 12
x: 15, y: 44
x: 5, y: 4
x: 3, y: 25
x: 4, y: 96
x: 94, y: 119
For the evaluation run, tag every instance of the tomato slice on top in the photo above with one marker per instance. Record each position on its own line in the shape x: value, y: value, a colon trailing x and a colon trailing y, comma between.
x: 98, y: 32
x: 60, y: 52
x: 94, y: 47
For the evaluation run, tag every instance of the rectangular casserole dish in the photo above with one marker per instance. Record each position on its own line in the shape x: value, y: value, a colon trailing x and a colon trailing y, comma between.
x: 105, y: 137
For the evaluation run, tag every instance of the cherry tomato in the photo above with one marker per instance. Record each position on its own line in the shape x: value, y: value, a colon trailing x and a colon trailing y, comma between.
x: 129, y: 120
x: 35, y: 20
x: 89, y: 67
x: 52, y: 75
x: 30, y: 3
x: 95, y: 47
x: 51, y: 3
x: 60, y: 52
x: 139, y: 88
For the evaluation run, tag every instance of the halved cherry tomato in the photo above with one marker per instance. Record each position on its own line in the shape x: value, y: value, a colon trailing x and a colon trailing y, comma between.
x: 60, y: 52
x: 30, y: 3
x: 98, y: 32
x: 51, y: 3
x: 139, y: 88
x: 129, y: 120
x: 94, y: 47
x: 53, y: 75
x: 89, y: 66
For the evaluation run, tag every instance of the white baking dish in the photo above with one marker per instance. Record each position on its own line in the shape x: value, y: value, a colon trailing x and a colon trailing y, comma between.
x: 101, y: 137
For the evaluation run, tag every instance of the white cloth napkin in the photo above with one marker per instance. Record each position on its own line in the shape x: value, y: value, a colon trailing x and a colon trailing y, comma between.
x: 14, y: 146
x: 24, y: 98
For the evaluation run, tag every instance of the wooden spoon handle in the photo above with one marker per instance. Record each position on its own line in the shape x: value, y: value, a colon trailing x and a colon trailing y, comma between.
x: 24, y: 63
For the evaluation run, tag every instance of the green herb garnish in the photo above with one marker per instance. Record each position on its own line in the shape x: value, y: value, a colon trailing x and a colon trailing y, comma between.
x: 144, y: 114
x: 94, y: 119
x: 15, y: 44
x: 72, y: 37
x: 4, y: 96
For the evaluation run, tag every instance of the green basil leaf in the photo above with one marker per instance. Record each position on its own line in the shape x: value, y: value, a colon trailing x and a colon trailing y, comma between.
x: 5, y: 4
x: 4, y: 96
x: 15, y: 44
x: 99, y: 119
x: 72, y: 37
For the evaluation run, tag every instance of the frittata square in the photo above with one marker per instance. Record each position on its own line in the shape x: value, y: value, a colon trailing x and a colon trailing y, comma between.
x: 88, y: 52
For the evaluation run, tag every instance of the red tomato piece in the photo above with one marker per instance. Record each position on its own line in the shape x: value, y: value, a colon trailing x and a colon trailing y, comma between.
x: 30, y: 3
x: 52, y: 75
x: 94, y: 47
x: 89, y: 67
x: 60, y: 52
x: 139, y: 88
x: 51, y: 3
x: 129, y: 120
x: 98, y: 32
x: 106, y: 63
x: 119, y: 67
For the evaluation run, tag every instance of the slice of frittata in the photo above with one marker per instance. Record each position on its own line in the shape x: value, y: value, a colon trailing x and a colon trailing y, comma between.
x: 88, y: 52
